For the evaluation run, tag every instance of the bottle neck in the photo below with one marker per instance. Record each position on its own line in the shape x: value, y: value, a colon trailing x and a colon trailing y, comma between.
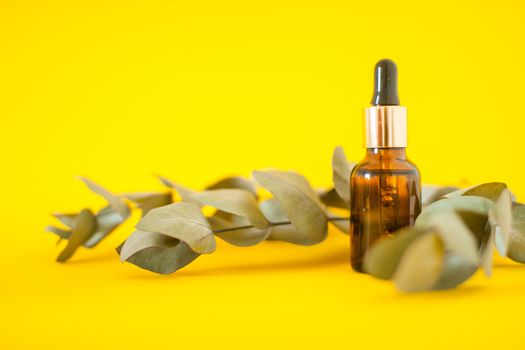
x: 385, y: 127
x: 387, y: 153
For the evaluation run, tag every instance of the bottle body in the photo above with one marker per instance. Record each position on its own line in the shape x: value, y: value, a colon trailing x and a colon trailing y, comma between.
x: 386, y: 195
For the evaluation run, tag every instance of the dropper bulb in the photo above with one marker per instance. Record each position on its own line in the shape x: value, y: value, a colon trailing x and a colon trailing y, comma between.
x: 385, y: 84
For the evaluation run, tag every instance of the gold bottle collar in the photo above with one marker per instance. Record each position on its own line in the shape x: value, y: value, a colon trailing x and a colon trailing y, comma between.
x: 385, y: 127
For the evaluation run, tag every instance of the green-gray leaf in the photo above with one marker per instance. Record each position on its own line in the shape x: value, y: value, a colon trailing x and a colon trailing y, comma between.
x: 223, y: 222
x: 85, y: 225
x: 298, y: 181
x: 426, y: 267
x: 149, y: 200
x: 500, y: 217
x: 486, y: 254
x: 477, y: 223
x: 62, y: 234
x: 331, y: 198
x: 516, y: 248
x: 472, y: 204
x: 341, y: 223
x: 234, y: 182
x: 342, y: 169
x: 281, y: 231
x: 461, y: 250
x: 490, y: 190
x: 454, y: 272
x: 66, y: 219
x: 185, y: 193
x: 383, y: 257
x: 507, y: 220
x: 300, y: 203
x: 156, y: 252
x: 116, y: 202
x: 421, y: 264
x: 183, y: 221
x: 432, y: 193
x: 456, y: 236
x: 235, y: 201
x: 107, y: 221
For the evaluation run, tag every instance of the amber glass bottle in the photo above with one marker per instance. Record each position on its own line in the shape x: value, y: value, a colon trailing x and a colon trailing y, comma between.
x: 385, y: 185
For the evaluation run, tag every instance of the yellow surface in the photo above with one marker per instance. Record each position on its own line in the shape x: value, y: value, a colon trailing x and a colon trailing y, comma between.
x: 194, y: 90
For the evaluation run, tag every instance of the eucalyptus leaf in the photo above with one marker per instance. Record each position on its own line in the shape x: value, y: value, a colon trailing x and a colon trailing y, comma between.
x: 297, y: 181
x: 342, y: 225
x: 66, y: 219
x: 149, y: 200
x: 500, y: 216
x: 287, y: 233
x: 454, y: 272
x: 245, y: 235
x: 385, y: 254
x: 62, y: 234
x: 273, y: 211
x: 116, y: 202
x: 516, y: 248
x: 300, y: 203
x: 508, y: 227
x: 339, y: 222
x: 183, y: 221
x: 281, y: 230
x: 185, y: 193
x: 453, y: 263
x: 432, y: 193
x: 461, y: 257
x: 331, y: 198
x: 236, y: 208
x: 474, y: 213
x: 486, y: 254
x: 235, y: 201
x: 421, y: 264
x: 237, y: 182
x: 478, y: 205
x: 457, y: 193
x: 489, y: 190
x: 85, y: 225
x: 478, y: 225
x: 156, y: 252
x: 108, y: 219
x: 456, y: 236
x: 342, y: 170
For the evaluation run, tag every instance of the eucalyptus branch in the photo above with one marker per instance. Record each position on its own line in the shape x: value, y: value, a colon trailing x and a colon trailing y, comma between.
x: 453, y: 236
x: 273, y: 224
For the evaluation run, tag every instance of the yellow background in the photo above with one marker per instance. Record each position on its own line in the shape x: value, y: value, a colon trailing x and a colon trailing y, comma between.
x: 195, y: 90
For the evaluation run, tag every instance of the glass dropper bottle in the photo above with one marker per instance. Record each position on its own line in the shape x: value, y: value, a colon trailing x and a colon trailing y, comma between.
x: 385, y: 185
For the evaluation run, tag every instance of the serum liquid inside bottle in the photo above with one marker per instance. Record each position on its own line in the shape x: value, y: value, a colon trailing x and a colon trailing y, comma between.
x: 385, y: 185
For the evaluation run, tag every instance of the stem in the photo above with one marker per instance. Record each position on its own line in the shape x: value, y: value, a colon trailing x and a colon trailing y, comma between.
x: 274, y: 224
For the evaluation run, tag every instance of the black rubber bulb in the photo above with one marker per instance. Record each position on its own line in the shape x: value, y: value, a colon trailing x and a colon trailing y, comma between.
x: 385, y: 84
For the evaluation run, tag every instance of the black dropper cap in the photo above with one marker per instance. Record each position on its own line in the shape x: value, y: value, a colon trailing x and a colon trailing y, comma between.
x: 385, y: 84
